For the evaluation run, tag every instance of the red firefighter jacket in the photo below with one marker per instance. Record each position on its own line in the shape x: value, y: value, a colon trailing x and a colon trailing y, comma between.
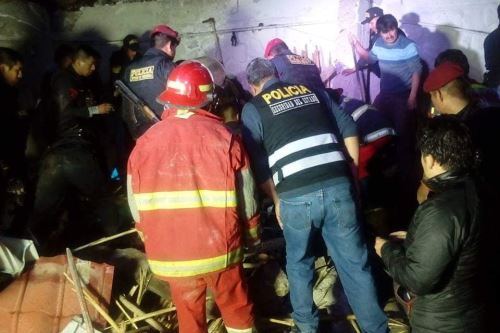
x: 192, y: 194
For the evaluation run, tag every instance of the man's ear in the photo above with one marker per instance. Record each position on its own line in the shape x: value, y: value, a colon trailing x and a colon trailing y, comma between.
x: 440, y: 95
x: 3, y: 68
x: 428, y: 161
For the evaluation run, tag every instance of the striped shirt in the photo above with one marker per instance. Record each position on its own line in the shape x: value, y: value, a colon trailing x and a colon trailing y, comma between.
x: 398, y: 62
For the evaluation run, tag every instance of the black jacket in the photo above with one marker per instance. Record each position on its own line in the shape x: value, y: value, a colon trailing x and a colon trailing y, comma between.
x: 439, y: 258
x: 71, y: 96
x: 147, y: 77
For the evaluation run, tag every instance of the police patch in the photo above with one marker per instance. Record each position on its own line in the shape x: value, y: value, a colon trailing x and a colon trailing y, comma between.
x: 141, y: 74
x: 299, y: 60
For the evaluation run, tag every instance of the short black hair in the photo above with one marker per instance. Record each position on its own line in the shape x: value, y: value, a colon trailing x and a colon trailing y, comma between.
x: 9, y: 57
x: 259, y: 69
x: 386, y: 23
x: 160, y: 39
x: 63, y: 51
x: 280, y: 49
x: 448, y: 141
x: 455, y: 56
x: 85, y: 51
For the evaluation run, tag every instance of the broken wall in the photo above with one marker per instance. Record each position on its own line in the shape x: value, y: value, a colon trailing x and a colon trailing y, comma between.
x: 317, y: 28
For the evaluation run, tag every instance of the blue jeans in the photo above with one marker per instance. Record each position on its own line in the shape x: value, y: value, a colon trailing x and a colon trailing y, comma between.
x: 331, y: 211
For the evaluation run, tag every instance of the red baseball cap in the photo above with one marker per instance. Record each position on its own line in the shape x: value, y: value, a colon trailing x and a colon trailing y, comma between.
x: 165, y: 29
x: 442, y: 75
x: 270, y: 45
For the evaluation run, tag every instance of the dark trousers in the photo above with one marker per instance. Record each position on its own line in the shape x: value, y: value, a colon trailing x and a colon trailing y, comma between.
x: 66, y: 173
x: 395, y: 108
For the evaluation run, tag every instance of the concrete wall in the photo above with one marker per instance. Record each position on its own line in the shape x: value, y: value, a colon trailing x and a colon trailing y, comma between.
x: 25, y: 27
x: 317, y: 28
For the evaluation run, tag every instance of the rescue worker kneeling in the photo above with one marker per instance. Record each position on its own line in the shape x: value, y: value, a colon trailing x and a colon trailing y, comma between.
x: 191, y: 193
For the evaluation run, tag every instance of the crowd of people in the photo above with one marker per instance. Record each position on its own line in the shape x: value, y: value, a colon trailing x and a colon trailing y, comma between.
x: 198, y: 159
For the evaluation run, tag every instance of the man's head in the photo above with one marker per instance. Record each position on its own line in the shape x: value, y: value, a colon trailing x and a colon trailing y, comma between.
x: 455, y: 56
x: 371, y: 16
x: 166, y: 39
x: 11, y: 66
x: 131, y: 46
x: 84, y: 60
x: 445, y: 145
x: 259, y: 71
x: 189, y: 86
x: 387, y: 27
x: 63, y: 55
x: 447, y: 87
x: 275, y: 47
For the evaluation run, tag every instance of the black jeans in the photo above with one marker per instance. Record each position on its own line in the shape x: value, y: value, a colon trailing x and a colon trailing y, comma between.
x: 66, y: 173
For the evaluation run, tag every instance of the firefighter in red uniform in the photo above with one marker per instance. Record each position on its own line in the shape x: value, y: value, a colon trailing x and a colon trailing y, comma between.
x: 192, y: 194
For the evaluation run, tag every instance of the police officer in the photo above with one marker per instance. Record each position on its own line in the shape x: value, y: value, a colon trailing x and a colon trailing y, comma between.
x: 120, y: 59
x: 70, y: 165
x: 298, y: 156
x: 147, y: 76
x: 292, y: 68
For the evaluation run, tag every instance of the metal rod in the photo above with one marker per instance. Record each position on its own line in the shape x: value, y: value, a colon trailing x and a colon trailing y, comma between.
x: 79, y: 293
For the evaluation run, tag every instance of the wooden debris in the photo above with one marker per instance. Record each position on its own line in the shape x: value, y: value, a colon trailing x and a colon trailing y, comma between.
x: 96, y: 305
x: 287, y: 322
x: 79, y: 293
x: 105, y: 239
x: 137, y: 311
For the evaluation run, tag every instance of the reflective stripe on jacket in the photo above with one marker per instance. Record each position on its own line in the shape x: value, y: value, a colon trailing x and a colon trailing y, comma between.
x: 191, y: 186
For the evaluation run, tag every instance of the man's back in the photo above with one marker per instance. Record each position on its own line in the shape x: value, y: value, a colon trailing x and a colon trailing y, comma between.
x: 441, y: 258
x: 293, y: 68
x: 147, y: 77
x: 183, y: 173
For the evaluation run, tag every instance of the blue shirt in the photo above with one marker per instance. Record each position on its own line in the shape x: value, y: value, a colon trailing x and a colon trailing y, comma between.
x: 398, y: 62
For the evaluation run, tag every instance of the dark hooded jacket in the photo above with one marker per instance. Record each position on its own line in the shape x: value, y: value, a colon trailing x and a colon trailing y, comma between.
x: 439, y: 258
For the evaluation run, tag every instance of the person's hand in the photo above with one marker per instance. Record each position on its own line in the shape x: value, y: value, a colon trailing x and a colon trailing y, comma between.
x: 412, y: 103
x: 379, y: 243
x: 277, y: 211
x: 348, y: 71
x: 398, y: 235
x: 352, y: 39
x: 422, y: 193
x: 104, y: 108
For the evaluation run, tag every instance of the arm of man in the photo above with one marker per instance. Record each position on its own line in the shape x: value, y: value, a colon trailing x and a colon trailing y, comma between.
x: 360, y: 50
x: 420, y: 265
x: 253, y: 138
x: 64, y: 95
x: 415, y: 67
x: 247, y: 204
x: 415, y: 83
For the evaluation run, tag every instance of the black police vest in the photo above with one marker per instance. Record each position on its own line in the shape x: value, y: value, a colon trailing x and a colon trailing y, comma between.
x: 147, y: 77
x: 300, y: 137
x: 293, y: 68
x: 372, y: 124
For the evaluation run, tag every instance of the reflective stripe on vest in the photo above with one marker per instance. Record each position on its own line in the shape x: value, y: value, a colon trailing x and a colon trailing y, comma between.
x: 298, y: 145
x: 253, y: 232
x: 185, y: 199
x: 360, y: 111
x: 195, y: 267
x: 306, y: 163
x: 378, y: 134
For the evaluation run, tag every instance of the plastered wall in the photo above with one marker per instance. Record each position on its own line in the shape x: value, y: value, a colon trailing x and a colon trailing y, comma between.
x: 317, y: 28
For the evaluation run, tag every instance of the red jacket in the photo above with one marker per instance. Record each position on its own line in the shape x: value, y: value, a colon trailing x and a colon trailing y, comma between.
x: 184, y: 174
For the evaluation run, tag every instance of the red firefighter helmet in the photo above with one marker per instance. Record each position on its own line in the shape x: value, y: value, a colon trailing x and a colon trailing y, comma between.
x: 189, y: 86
